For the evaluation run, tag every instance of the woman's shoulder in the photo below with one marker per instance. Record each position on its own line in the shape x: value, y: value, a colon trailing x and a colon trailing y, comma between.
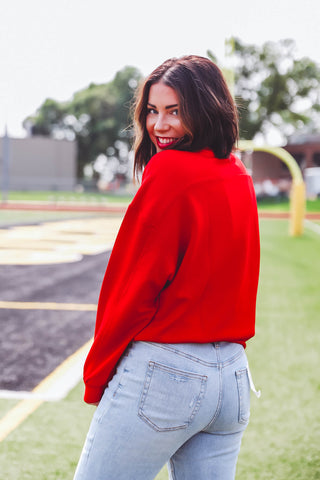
x: 174, y: 162
x: 164, y: 178
x: 177, y: 164
x: 167, y: 158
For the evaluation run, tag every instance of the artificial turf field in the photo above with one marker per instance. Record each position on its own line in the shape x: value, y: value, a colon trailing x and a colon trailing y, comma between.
x: 283, y: 438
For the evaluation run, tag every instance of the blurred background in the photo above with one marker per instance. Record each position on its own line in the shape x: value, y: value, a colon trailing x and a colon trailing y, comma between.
x: 69, y: 72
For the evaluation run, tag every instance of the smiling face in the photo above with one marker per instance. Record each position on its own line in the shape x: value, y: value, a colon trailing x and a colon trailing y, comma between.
x: 163, y: 123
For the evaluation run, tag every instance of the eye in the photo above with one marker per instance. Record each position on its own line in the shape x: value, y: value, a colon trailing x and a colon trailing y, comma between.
x: 151, y: 110
x: 175, y: 112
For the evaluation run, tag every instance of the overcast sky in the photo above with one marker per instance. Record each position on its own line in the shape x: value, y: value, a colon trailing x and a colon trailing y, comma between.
x: 54, y: 48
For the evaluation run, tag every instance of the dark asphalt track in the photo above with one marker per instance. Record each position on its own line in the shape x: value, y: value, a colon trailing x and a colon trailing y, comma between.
x: 34, y: 342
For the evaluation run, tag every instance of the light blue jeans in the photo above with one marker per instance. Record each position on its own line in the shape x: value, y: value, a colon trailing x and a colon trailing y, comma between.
x: 185, y: 404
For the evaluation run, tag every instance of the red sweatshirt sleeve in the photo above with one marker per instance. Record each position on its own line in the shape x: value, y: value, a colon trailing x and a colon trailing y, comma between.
x: 143, y: 262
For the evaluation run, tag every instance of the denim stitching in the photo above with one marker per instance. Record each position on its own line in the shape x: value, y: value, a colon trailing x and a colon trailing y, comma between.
x: 169, y: 369
x: 200, y: 397
x: 231, y: 360
x: 243, y: 419
x: 219, y: 404
x: 196, y: 359
x: 216, y: 413
x: 173, y: 473
x: 147, y: 383
x: 144, y: 393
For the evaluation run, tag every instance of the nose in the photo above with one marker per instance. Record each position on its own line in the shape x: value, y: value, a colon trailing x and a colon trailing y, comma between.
x: 161, y: 124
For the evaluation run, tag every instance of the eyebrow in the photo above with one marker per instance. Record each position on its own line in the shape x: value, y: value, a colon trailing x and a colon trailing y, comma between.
x: 167, y: 107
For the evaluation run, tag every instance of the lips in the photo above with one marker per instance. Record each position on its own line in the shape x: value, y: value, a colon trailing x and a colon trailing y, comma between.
x: 165, y: 142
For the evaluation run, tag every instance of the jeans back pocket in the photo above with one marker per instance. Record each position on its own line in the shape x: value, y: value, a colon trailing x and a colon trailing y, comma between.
x: 171, y: 397
x: 244, y: 395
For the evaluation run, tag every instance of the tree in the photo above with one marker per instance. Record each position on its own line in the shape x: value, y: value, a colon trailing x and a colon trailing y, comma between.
x: 96, y: 117
x: 273, y: 89
x: 48, y: 119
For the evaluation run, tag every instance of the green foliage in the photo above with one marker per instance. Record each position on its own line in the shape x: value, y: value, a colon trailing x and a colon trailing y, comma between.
x: 97, y: 117
x: 212, y: 56
x: 49, y: 117
x: 273, y: 88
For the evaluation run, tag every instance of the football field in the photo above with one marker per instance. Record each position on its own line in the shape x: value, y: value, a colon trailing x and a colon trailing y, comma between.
x: 50, y: 278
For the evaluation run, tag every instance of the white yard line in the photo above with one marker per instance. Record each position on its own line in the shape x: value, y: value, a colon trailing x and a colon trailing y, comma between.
x: 312, y: 226
x: 53, y: 388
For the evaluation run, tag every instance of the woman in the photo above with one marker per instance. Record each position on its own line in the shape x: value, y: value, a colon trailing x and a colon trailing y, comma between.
x: 167, y: 368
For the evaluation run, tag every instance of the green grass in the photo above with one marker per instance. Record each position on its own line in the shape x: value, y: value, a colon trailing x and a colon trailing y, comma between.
x: 274, y: 204
x: 282, y: 441
x: 5, y: 406
x: 60, y: 196
x: 283, y: 437
x: 283, y: 205
x: 313, y: 205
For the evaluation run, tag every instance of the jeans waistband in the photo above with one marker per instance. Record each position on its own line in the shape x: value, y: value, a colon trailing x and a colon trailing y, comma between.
x: 209, y: 354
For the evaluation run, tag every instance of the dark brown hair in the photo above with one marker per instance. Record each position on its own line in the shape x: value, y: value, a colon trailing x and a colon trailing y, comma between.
x: 206, y: 108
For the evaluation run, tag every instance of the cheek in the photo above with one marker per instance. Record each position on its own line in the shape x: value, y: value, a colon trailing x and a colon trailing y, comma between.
x: 149, y: 125
x: 180, y: 129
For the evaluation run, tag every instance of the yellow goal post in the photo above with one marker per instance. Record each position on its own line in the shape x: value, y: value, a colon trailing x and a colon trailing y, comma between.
x: 298, y: 190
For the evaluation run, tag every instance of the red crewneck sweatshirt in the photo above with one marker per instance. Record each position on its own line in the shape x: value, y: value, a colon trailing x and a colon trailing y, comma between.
x: 185, y: 264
